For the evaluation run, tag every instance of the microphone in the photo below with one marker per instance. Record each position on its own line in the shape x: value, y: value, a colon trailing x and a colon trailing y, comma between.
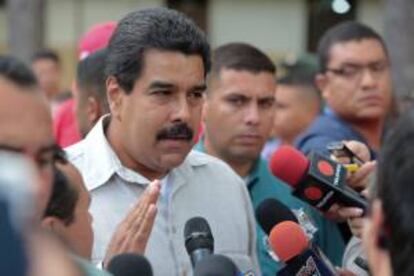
x: 291, y: 245
x: 271, y: 212
x: 216, y: 265
x: 319, y: 181
x: 129, y: 264
x: 199, y: 241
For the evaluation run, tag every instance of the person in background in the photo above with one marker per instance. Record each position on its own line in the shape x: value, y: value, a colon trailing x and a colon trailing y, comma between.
x: 65, y: 126
x: 91, y: 101
x: 47, y: 67
x: 297, y: 104
x: 238, y: 116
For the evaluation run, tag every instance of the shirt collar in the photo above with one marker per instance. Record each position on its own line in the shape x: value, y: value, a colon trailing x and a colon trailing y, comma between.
x: 102, y: 162
x: 254, y: 174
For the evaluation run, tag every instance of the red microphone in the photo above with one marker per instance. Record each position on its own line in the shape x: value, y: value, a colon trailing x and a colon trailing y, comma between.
x: 291, y: 245
x: 318, y: 180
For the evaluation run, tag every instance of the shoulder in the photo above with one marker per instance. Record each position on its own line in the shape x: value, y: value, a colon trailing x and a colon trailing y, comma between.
x: 322, y: 131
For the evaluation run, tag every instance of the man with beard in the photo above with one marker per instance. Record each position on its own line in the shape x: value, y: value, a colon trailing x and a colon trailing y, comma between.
x: 156, y: 67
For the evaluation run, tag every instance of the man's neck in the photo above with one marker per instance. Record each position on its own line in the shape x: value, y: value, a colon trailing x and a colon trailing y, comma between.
x: 371, y: 131
x: 127, y: 160
x: 241, y: 168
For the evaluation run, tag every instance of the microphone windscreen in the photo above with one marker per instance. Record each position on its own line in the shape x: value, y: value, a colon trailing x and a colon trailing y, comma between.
x: 216, y: 265
x: 288, y: 240
x: 197, y: 234
x: 271, y: 212
x: 289, y: 165
x: 129, y: 264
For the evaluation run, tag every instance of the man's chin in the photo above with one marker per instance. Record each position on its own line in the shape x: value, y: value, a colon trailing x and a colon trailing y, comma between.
x: 172, y: 160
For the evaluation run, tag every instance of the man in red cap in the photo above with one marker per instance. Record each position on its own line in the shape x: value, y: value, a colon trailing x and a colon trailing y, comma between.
x: 65, y: 127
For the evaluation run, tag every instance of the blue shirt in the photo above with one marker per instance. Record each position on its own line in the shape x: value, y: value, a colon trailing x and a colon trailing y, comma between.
x: 327, y: 128
x: 263, y: 185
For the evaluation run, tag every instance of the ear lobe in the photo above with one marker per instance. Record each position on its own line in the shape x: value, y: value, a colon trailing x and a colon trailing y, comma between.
x: 321, y: 83
x: 115, y: 96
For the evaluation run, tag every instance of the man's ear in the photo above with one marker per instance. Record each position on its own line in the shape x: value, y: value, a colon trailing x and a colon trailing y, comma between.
x: 321, y: 82
x: 52, y: 224
x: 93, y: 110
x: 115, y: 96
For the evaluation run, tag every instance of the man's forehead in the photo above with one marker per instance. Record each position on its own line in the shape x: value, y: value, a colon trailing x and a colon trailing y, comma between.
x: 357, y: 51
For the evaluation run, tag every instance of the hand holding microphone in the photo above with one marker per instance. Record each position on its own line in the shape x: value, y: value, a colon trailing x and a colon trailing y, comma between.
x: 318, y: 180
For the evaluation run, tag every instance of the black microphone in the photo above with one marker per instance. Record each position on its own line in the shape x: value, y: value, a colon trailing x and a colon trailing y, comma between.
x: 199, y: 241
x: 216, y: 265
x: 129, y: 264
x: 271, y: 212
x: 319, y: 181
x: 291, y: 245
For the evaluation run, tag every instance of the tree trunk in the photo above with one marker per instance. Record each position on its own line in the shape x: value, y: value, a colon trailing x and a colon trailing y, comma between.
x: 399, y: 22
x: 25, y: 27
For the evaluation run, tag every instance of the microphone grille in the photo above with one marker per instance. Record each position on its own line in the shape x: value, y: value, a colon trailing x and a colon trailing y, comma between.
x: 271, y: 211
x: 217, y: 265
x: 197, y: 234
x: 129, y: 264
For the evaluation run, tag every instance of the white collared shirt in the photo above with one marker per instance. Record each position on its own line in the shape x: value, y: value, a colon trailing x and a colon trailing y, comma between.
x: 201, y: 186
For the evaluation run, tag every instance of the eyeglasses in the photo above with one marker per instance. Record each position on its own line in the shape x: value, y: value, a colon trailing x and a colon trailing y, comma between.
x: 353, y: 72
x: 44, y: 158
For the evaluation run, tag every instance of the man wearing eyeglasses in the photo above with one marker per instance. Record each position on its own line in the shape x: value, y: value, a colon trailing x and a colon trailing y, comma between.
x: 355, y: 82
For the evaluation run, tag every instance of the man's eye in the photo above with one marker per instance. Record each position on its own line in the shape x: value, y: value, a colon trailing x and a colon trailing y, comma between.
x: 350, y: 71
x: 238, y: 101
x: 196, y: 95
x: 162, y: 93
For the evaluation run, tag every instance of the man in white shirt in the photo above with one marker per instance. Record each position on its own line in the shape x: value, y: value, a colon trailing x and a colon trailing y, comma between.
x: 156, y: 67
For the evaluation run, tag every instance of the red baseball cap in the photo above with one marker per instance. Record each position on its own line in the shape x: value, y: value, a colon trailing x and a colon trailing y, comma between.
x: 95, y: 38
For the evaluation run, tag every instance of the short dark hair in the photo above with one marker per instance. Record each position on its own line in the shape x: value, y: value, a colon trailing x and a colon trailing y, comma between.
x: 16, y: 72
x: 395, y: 190
x: 62, y: 202
x: 46, y: 54
x: 344, y: 32
x: 155, y: 28
x: 90, y: 77
x: 241, y: 56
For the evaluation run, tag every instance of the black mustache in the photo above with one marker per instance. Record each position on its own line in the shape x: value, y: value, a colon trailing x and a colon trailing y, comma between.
x: 177, y: 131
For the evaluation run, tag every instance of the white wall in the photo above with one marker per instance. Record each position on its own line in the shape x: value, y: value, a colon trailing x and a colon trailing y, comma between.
x: 68, y: 20
x: 371, y: 12
x: 274, y: 26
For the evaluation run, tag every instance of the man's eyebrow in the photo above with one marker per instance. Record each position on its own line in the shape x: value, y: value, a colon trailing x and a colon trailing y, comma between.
x: 161, y: 85
x: 200, y: 87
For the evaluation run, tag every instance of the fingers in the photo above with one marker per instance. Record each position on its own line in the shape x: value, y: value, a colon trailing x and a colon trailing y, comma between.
x: 140, y: 238
x: 150, y: 196
x: 356, y: 225
x: 350, y: 212
x: 360, y: 179
x: 359, y: 149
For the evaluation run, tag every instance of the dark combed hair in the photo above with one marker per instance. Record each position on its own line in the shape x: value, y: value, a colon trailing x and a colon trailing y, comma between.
x: 155, y: 28
x: 396, y: 191
x: 16, y: 72
x: 241, y: 57
x: 90, y: 77
x: 46, y: 54
x: 344, y: 32
x: 62, y: 202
